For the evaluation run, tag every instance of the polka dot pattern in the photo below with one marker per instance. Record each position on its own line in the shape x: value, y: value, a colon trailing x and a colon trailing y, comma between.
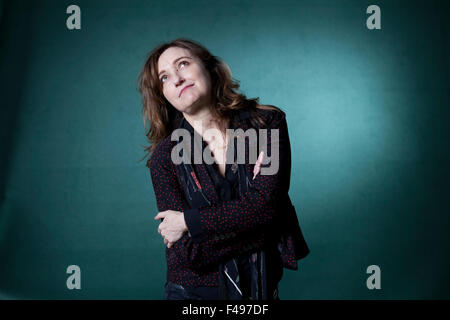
x: 230, y: 227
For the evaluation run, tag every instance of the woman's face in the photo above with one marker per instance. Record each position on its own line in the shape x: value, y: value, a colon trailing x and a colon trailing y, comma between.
x: 185, y: 81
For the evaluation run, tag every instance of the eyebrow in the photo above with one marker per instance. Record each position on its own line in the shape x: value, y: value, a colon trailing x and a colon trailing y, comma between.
x: 175, y: 61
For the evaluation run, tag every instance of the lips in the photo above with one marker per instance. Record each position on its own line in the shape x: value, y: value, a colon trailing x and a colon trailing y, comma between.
x: 185, y: 89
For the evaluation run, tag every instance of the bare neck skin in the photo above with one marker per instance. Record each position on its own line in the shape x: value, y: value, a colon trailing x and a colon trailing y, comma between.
x: 202, y: 120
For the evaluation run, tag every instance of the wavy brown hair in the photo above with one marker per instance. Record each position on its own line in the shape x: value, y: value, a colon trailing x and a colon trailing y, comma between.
x: 163, y: 117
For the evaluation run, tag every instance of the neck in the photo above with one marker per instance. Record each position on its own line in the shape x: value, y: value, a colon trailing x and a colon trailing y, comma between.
x: 202, y: 120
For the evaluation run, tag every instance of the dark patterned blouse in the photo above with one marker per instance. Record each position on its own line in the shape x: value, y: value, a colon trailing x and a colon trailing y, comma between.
x: 233, y: 222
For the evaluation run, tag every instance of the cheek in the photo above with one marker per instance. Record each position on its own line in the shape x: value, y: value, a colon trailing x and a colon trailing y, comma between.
x: 206, y: 81
x: 167, y: 94
x: 200, y: 75
x: 202, y: 81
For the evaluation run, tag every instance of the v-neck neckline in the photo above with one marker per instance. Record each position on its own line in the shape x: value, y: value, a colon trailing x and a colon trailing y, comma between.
x: 188, y: 126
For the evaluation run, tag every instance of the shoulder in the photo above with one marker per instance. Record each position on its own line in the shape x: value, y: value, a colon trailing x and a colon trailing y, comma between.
x: 161, y: 154
x: 272, y: 115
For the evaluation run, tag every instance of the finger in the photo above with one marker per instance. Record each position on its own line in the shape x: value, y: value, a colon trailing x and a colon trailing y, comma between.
x: 161, y: 228
x: 255, y: 171
x: 258, y: 163
x: 160, y: 215
x: 260, y: 158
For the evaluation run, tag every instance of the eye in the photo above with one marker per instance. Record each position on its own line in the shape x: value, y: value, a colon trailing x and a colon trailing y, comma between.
x: 184, y: 62
x: 162, y: 78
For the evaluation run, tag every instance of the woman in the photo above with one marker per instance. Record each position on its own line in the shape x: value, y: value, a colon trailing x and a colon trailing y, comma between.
x: 229, y: 228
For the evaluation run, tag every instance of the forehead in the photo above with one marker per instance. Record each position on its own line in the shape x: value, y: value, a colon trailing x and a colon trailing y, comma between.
x: 170, y: 55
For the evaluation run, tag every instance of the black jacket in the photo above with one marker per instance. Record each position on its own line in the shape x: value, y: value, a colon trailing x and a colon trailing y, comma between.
x: 263, y: 219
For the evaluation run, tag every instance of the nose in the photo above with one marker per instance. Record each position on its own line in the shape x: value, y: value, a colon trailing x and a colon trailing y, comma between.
x: 178, y: 79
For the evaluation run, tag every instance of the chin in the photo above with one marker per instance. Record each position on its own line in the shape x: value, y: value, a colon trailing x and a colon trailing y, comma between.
x: 192, y: 108
x: 183, y: 109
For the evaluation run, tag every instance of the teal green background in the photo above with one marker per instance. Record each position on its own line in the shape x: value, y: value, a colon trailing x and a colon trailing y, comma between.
x: 368, y: 116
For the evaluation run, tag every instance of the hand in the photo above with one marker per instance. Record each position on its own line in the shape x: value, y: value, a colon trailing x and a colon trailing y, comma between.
x: 258, y: 163
x: 172, y: 227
